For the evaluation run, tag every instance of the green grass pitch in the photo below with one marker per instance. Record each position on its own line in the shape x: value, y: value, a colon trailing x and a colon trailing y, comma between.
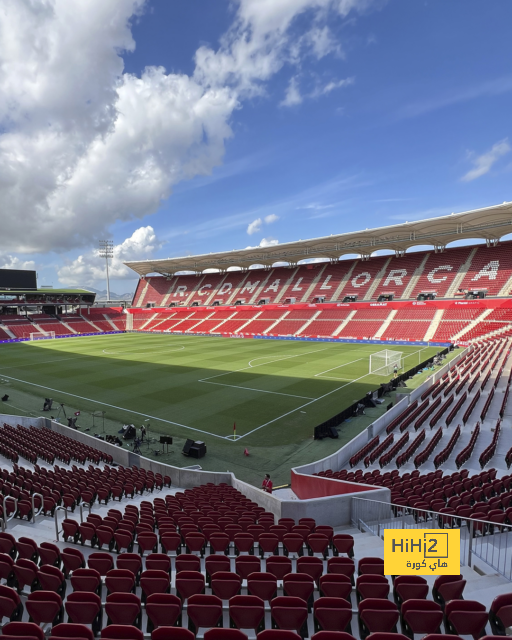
x: 276, y: 391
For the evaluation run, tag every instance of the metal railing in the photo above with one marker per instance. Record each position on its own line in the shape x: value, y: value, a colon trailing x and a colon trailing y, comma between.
x: 34, y: 512
x: 56, y: 519
x: 8, y: 518
x: 81, y: 506
x: 491, y: 542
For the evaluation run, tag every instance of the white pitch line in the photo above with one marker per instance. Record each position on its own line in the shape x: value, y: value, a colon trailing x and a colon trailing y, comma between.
x: 277, y: 393
x: 338, y: 367
x: 312, y: 401
x: 33, y: 364
x: 262, y: 364
x: 144, y: 352
x: 113, y: 406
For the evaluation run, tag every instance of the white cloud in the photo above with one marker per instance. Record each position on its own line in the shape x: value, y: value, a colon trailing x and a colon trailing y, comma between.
x: 13, y: 262
x: 254, y: 226
x: 323, y: 42
x: 89, y: 268
x: 484, y: 163
x: 83, y: 144
x: 293, y: 96
x: 268, y: 242
x: 331, y: 86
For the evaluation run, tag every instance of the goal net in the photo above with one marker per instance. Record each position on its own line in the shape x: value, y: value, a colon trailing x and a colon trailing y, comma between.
x: 50, y: 335
x: 383, y: 363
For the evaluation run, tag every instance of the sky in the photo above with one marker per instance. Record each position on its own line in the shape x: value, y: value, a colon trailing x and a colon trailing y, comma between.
x: 176, y: 127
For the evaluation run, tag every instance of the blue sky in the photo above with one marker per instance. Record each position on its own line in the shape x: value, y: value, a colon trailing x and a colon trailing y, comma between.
x: 359, y: 114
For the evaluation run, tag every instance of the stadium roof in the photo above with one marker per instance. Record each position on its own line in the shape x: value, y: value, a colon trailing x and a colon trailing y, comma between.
x: 489, y: 223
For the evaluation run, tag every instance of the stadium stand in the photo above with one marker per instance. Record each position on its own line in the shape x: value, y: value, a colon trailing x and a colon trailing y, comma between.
x: 166, y: 563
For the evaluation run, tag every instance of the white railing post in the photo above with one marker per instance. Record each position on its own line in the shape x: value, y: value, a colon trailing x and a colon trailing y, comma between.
x: 6, y: 517
x: 34, y: 514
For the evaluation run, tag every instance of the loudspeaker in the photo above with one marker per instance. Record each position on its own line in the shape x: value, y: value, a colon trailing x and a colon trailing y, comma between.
x: 333, y: 433
x: 198, y: 450
x: 186, y: 447
x: 165, y: 440
x: 5, y: 398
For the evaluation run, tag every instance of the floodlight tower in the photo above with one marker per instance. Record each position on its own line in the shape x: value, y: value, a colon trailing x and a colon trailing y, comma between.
x: 107, y: 251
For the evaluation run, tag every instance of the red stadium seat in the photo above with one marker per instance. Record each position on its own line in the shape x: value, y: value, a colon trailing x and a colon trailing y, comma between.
x: 172, y: 633
x: 247, y: 612
x: 289, y: 614
x: 10, y: 604
x: 204, y: 612
x: 123, y: 609
x: 68, y: 631
x: 335, y: 585
x: 44, y: 607
x: 84, y: 607
x: 163, y: 610
x: 465, y: 617
x: 332, y: 614
x: 376, y: 615
x: 421, y: 616
x: 500, y: 614
x: 22, y: 631
x: 262, y: 585
x: 121, y: 632
x: 189, y: 583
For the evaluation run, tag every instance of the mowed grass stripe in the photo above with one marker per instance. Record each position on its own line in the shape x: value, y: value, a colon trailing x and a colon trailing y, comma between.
x: 150, y: 377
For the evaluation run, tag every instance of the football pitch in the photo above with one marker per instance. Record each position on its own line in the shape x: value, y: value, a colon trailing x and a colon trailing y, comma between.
x: 275, y: 391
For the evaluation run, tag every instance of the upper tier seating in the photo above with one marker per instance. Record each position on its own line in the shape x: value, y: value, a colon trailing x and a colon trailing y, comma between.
x: 440, y: 270
x: 490, y: 268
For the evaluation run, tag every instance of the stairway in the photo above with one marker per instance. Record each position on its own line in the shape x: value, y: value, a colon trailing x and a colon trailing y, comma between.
x: 385, y: 324
x: 165, y: 299
x: 8, y: 331
x: 472, y: 324
x: 92, y: 324
x: 188, y: 299
x: 284, y: 288
x: 308, y: 322
x: 345, y: 322
x: 460, y: 275
x: 414, y: 280
x: 259, y: 288
x: 274, y: 323
x: 432, y: 328
x: 143, y: 294
x: 377, y: 280
x: 313, y: 284
x: 344, y: 281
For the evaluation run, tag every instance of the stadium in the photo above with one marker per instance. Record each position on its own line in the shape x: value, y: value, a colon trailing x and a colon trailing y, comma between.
x: 381, y: 381
x: 288, y: 415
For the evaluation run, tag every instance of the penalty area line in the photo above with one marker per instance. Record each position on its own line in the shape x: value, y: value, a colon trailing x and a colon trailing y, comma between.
x: 338, y: 367
x: 113, y: 406
x: 277, y: 393
x: 278, y: 359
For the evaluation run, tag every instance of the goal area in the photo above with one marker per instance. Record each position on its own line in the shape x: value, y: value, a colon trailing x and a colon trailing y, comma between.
x: 50, y: 335
x: 383, y: 363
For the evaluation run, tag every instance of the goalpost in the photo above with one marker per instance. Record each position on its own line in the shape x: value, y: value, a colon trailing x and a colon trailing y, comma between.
x: 383, y: 363
x: 39, y: 336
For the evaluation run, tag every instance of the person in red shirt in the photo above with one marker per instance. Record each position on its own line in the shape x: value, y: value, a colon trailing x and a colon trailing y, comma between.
x: 266, y: 485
